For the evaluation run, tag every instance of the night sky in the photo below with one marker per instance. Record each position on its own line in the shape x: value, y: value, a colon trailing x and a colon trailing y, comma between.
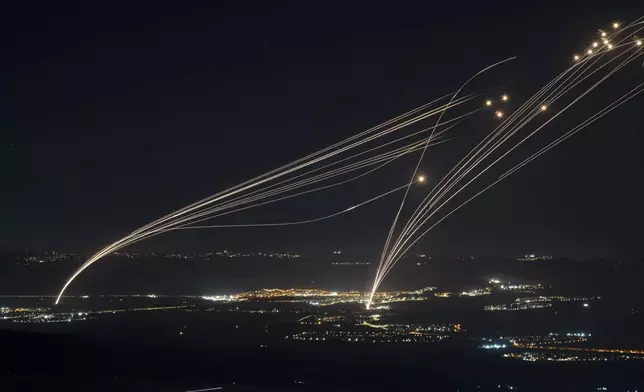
x: 116, y: 115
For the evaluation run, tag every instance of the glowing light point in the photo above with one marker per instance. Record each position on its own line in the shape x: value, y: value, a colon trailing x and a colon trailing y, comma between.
x: 610, y: 46
x: 638, y: 42
x: 499, y: 114
x: 576, y: 57
x: 504, y: 98
x: 544, y: 108
x: 616, y: 25
x: 421, y: 179
x: 603, y: 33
x: 488, y: 103
x: 590, y: 51
x: 595, y: 44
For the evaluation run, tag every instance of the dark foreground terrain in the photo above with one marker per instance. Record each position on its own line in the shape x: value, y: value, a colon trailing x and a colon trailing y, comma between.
x: 32, y: 361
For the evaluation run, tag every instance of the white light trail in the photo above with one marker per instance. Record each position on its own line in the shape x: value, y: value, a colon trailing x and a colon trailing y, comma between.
x: 206, y: 208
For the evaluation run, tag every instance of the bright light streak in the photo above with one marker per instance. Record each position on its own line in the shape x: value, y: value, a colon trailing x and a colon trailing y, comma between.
x: 243, y: 194
x: 206, y: 389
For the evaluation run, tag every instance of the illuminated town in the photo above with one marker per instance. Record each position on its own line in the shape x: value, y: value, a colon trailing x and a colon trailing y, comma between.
x: 540, y: 302
x: 372, y: 336
x: 534, y: 257
x: 325, y: 316
x: 323, y: 297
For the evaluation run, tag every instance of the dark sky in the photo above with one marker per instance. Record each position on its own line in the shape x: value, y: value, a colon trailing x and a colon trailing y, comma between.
x: 117, y: 114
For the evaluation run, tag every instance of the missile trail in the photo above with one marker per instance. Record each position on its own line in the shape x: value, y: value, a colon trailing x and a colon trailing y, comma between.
x: 353, y: 207
x: 217, y: 204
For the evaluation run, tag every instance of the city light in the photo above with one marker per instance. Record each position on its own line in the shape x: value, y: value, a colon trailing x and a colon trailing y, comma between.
x: 499, y: 114
x: 576, y: 57
x: 544, y: 108
x: 421, y: 179
x: 505, y: 98
x: 616, y: 25
x: 488, y: 103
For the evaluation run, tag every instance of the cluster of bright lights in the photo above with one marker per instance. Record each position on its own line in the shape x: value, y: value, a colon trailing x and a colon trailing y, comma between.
x: 492, y: 346
x: 222, y: 298
x: 489, y: 103
x: 368, y: 336
x: 606, y: 42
